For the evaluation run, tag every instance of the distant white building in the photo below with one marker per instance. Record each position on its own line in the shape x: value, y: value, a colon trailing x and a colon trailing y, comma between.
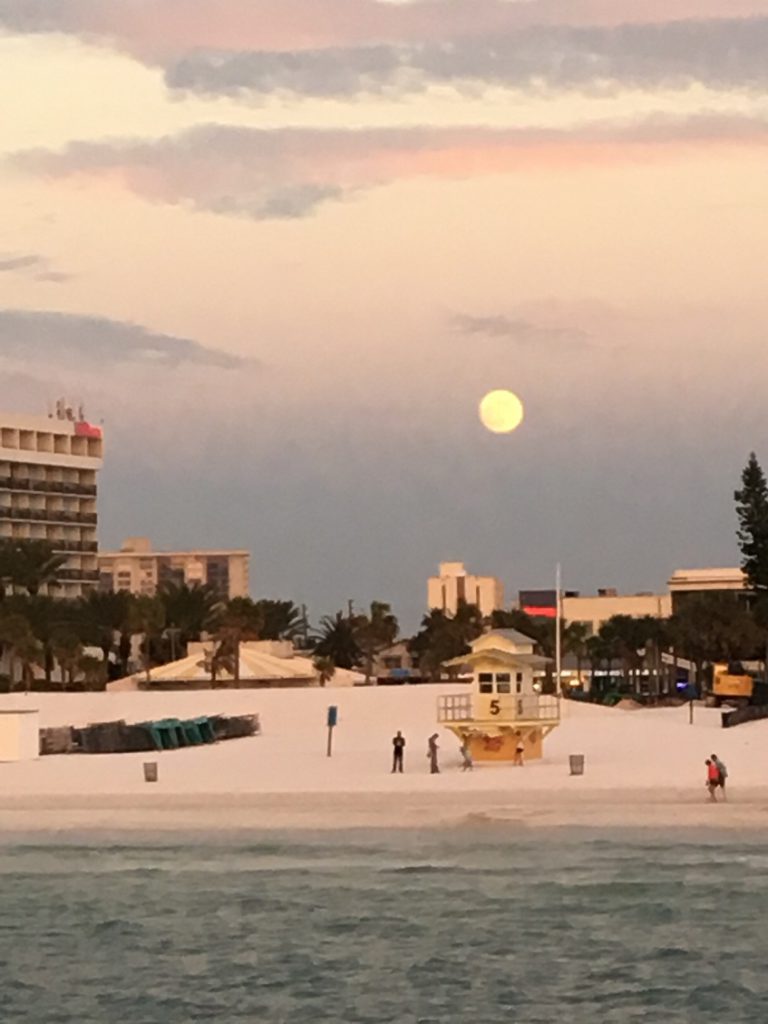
x: 454, y: 584
x: 139, y: 569
x: 686, y: 582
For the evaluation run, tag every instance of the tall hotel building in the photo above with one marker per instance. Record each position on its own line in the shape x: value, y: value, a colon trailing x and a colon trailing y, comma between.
x: 48, y: 468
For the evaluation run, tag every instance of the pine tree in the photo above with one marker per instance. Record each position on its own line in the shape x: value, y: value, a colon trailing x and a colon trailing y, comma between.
x: 752, y: 510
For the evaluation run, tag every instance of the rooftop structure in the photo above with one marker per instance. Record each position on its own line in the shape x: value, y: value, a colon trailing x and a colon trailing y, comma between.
x: 139, y: 569
x: 48, y: 488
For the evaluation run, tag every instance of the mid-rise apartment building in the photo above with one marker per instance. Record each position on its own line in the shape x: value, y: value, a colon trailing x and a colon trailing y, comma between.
x: 686, y: 583
x: 137, y: 568
x: 454, y: 584
x: 48, y: 489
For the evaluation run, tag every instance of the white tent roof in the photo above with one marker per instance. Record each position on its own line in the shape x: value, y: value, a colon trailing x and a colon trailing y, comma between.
x: 255, y: 665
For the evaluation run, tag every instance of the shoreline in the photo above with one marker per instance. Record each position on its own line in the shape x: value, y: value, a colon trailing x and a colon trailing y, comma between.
x: 270, y: 812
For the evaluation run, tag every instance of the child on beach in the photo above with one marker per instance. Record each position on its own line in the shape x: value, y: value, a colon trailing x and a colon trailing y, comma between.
x: 466, y: 757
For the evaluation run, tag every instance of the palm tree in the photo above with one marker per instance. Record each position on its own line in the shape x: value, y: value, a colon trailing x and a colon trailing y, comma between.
x: 325, y: 669
x: 337, y: 640
x: 103, y: 616
x: 45, y: 615
x: 575, y: 636
x: 30, y: 565
x: 17, y: 637
x: 374, y: 633
x: 67, y: 650
x: 238, y: 621
x: 281, y: 620
x: 444, y: 637
x: 192, y: 610
x: 92, y: 669
x: 146, y: 618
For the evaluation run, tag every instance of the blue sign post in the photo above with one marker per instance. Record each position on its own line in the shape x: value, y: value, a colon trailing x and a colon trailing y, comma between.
x: 333, y: 718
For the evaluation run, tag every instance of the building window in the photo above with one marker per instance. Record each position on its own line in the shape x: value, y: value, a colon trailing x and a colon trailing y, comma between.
x: 167, y: 573
x: 485, y: 679
x: 503, y: 682
x: 217, y: 575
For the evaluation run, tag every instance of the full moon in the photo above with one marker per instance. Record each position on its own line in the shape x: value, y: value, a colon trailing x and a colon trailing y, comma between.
x: 501, y: 412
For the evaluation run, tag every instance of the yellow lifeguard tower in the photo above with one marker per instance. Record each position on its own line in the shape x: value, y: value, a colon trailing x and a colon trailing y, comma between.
x: 504, y: 708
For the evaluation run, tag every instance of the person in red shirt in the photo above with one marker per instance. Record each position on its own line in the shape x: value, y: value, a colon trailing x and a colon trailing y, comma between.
x: 713, y: 778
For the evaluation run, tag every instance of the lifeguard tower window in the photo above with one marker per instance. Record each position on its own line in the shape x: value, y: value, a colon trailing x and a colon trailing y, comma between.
x: 503, y: 682
x: 486, y: 682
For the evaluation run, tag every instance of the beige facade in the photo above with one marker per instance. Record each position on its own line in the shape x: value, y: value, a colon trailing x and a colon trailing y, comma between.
x: 685, y: 583
x: 689, y: 581
x: 593, y: 611
x: 453, y: 584
x: 48, y: 489
x: 137, y: 568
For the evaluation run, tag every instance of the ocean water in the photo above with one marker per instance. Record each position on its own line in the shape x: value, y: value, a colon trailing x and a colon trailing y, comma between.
x: 366, y: 928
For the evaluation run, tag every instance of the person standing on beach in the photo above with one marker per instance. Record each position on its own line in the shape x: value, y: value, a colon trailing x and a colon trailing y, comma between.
x: 519, y: 752
x: 398, y: 749
x: 722, y: 771
x: 466, y: 757
x: 434, y: 768
x: 713, y: 779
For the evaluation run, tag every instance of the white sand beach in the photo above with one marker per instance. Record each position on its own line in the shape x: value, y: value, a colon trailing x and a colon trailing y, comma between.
x: 643, y: 767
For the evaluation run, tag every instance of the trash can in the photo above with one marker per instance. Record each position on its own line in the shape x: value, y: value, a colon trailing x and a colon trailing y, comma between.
x: 576, y: 762
x: 150, y: 771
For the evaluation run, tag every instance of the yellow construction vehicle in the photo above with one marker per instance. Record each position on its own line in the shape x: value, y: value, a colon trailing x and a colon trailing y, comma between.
x: 732, y: 684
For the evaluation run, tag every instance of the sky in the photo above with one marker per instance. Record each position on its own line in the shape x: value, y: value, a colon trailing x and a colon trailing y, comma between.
x: 282, y: 248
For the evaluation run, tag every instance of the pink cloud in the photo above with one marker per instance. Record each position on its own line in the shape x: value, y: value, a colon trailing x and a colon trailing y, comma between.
x: 160, y: 30
x: 289, y: 173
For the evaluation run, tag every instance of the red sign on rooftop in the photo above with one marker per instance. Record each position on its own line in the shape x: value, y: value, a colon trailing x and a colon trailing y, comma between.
x: 83, y: 429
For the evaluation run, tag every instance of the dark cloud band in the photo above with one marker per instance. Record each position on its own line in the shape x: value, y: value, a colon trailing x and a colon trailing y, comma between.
x: 53, y: 337
x: 721, y: 54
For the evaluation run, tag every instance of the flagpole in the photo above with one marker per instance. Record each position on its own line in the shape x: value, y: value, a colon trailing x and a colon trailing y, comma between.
x: 558, y: 632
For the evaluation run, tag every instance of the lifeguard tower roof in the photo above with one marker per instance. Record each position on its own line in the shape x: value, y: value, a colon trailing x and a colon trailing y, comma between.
x: 514, y: 636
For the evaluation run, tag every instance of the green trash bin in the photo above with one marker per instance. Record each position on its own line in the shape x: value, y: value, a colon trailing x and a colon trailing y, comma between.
x: 154, y: 734
x: 171, y: 733
x: 205, y: 727
x: 192, y: 735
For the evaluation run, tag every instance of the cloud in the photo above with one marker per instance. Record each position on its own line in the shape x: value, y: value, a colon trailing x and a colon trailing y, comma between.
x: 158, y: 31
x: 9, y: 264
x: 721, y: 54
x: 61, y: 338
x: 520, y: 332
x: 32, y: 264
x: 288, y: 173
